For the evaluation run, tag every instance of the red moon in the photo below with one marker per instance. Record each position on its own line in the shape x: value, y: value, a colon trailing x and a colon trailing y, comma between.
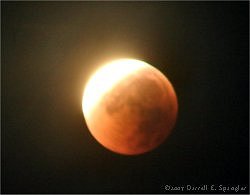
x: 129, y: 106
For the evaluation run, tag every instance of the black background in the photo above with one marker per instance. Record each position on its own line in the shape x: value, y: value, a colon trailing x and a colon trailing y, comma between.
x: 49, y: 50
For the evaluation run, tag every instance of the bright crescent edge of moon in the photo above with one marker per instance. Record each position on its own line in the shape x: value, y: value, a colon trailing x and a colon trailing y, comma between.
x: 105, y: 78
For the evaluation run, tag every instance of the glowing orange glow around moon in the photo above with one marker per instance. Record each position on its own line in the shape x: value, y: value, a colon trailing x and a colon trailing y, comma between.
x: 129, y: 106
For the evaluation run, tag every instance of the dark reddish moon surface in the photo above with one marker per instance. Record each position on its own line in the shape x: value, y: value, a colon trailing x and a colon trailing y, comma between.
x: 136, y: 115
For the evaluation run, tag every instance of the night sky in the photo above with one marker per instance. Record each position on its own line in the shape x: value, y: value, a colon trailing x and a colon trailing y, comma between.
x: 50, y: 49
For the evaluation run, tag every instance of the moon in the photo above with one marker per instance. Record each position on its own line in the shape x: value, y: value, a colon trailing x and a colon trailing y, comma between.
x: 129, y: 106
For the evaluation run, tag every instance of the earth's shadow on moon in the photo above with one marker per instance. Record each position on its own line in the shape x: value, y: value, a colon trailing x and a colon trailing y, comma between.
x: 143, y: 101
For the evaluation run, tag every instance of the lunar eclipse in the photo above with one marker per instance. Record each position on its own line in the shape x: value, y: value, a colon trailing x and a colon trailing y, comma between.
x: 73, y: 121
x: 129, y: 106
